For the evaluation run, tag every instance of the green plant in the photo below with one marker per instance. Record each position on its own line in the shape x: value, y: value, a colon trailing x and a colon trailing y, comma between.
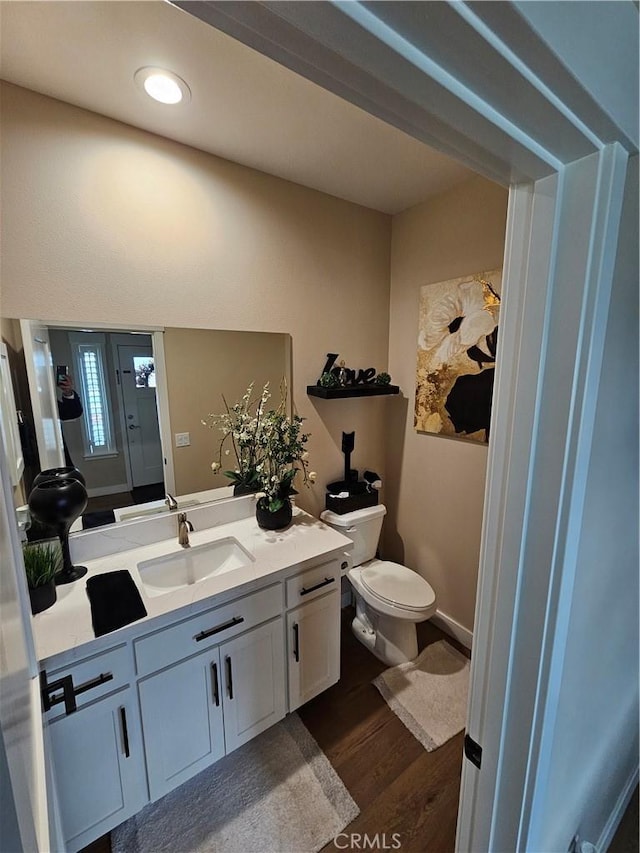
x: 382, y: 379
x: 241, y: 425
x: 283, y: 454
x: 41, y: 562
x: 329, y: 380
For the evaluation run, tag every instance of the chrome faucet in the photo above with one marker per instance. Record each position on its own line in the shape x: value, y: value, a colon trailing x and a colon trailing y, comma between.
x: 184, y: 526
x: 171, y: 502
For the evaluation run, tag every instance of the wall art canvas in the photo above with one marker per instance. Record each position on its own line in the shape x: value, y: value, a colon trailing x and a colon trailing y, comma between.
x: 457, y: 340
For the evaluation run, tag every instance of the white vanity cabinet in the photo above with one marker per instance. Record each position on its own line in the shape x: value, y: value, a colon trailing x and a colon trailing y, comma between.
x: 196, y: 711
x: 96, y: 750
x: 313, y: 632
x: 174, y: 694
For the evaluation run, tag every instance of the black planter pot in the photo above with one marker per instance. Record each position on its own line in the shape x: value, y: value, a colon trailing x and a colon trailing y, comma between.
x: 277, y: 520
x: 42, y: 597
x: 57, y: 503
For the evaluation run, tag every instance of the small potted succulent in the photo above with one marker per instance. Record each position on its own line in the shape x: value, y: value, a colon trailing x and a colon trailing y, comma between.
x: 42, y: 562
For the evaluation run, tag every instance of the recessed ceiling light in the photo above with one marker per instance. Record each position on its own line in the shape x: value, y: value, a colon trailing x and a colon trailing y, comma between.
x: 162, y: 85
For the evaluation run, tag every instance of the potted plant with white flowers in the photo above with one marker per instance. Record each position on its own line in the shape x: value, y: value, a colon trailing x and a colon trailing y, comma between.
x: 283, y: 454
x: 240, y: 426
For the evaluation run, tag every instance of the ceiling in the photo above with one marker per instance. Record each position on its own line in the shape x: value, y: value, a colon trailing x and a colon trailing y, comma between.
x: 244, y: 106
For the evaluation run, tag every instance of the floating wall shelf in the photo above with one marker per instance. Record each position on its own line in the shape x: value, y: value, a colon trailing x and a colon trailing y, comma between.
x: 351, y: 391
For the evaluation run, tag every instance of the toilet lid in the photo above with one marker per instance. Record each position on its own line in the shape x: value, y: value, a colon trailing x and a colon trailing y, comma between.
x: 397, y: 584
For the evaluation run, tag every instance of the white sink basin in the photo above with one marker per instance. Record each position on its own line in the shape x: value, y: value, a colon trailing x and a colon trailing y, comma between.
x: 192, y: 565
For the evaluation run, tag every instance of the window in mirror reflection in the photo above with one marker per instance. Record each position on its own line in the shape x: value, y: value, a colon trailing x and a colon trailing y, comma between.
x: 97, y: 432
x: 145, y: 371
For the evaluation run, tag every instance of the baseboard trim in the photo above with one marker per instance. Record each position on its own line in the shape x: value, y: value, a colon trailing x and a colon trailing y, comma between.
x: 606, y: 836
x: 449, y: 625
x: 101, y: 491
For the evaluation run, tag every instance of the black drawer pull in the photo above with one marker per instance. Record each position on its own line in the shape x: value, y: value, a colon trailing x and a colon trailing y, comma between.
x: 95, y: 682
x: 230, y: 624
x: 227, y: 660
x: 69, y: 692
x: 325, y: 582
x: 296, y: 643
x: 214, y: 676
x: 125, y: 731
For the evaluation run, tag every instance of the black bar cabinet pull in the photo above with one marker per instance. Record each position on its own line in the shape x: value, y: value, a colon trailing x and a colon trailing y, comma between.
x: 296, y: 643
x: 69, y: 692
x: 325, y: 582
x: 214, y: 676
x: 229, y: 677
x: 211, y: 631
x: 125, y: 731
x: 95, y: 682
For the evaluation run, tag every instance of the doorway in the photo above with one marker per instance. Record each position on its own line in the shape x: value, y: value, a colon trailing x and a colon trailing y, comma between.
x: 136, y: 379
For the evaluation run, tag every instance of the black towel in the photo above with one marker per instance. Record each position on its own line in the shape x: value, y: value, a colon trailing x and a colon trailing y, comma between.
x: 115, y: 601
x: 98, y: 518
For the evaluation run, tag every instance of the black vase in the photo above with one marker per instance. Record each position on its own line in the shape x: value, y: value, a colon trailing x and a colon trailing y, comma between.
x: 57, y: 503
x: 36, y: 530
x: 277, y: 520
x: 42, y: 597
x: 68, y: 472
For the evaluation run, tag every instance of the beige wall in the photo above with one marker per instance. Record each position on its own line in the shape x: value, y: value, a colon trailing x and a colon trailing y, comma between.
x: 201, y: 368
x: 104, y: 222
x: 435, y: 485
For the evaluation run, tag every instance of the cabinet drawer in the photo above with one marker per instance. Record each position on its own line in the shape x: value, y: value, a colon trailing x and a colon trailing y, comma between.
x: 198, y: 633
x: 313, y: 583
x: 92, y: 678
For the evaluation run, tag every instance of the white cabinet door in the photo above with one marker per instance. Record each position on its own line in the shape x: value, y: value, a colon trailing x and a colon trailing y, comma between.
x: 181, y: 711
x: 254, y: 683
x: 98, y: 761
x: 313, y: 644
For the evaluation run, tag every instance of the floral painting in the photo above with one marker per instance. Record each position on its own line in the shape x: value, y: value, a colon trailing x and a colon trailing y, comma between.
x: 457, y: 340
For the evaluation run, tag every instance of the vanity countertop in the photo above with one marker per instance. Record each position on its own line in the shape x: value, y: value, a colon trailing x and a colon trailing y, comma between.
x: 66, y: 627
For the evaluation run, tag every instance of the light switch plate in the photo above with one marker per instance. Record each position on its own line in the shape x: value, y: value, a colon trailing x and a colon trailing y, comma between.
x: 183, y: 439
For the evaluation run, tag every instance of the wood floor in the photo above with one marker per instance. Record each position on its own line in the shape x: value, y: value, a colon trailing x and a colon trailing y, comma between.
x: 398, y: 786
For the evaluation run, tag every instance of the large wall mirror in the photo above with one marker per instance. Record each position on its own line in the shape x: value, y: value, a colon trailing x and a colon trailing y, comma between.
x: 144, y: 394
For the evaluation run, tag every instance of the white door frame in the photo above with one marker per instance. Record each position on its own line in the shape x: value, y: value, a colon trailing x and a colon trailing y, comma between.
x: 558, y: 151
x: 50, y: 455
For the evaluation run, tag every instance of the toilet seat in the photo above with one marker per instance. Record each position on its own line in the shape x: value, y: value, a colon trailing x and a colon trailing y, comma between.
x: 397, y: 585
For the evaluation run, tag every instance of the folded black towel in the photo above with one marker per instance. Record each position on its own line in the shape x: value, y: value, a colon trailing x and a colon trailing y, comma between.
x: 115, y: 601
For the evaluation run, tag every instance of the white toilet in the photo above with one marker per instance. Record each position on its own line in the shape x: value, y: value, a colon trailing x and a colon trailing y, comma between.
x: 390, y: 598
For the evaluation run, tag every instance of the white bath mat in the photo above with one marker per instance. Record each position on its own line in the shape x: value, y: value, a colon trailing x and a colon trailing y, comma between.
x: 276, y: 794
x: 429, y: 694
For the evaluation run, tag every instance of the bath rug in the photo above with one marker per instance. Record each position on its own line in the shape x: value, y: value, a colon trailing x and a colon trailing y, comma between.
x: 276, y: 794
x: 429, y: 694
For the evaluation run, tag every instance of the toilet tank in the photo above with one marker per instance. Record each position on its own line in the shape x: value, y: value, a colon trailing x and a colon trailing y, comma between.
x: 363, y: 527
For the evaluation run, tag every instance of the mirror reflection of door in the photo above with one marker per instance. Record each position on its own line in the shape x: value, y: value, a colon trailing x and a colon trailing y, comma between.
x: 138, y: 392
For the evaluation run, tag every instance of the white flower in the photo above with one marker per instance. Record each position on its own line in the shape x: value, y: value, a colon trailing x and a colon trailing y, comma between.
x: 227, y: 452
x: 313, y: 476
x: 305, y: 456
x: 457, y: 322
x: 215, y: 466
